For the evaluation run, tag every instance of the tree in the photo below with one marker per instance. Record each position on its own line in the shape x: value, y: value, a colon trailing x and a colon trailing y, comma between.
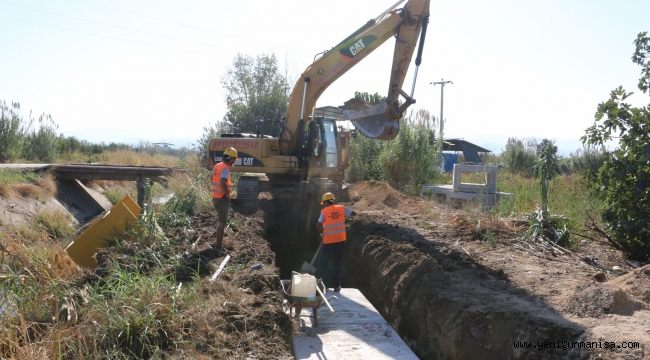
x: 375, y: 98
x: 256, y: 95
x: 623, y: 181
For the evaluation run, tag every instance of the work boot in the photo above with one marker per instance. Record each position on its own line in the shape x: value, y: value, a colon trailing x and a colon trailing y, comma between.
x: 337, y: 289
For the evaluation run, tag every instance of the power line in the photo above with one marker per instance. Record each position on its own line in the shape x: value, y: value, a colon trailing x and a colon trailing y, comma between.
x: 113, y: 38
x: 167, y: 21
x: 164, y: 37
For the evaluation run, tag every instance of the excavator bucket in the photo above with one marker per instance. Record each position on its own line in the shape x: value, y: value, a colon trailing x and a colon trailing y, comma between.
x: 372, y: 121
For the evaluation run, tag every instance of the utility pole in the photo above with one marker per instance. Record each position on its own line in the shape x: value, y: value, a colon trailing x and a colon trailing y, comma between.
x: 442, y: 84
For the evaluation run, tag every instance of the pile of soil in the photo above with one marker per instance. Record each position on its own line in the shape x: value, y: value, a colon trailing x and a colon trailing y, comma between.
x: 375, y: 195
x: 622, y: 295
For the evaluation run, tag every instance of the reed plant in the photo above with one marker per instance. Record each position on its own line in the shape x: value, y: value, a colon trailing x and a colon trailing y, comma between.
x: 406, y: 162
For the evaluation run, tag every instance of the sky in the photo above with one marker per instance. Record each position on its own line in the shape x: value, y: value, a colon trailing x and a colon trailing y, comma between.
x: 134, y: 70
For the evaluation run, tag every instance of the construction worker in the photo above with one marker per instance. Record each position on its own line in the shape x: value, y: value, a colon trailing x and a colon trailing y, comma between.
x: 331, y: 225
x: 222, y: 191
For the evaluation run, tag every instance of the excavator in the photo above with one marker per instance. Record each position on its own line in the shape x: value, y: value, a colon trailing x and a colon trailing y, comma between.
x: 312, y: 148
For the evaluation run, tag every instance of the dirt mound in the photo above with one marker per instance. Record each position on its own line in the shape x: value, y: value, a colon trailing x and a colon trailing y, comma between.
x: 636, y: 283
x: 376, y: 195
x: 597, y: 300
x: 623, y: 295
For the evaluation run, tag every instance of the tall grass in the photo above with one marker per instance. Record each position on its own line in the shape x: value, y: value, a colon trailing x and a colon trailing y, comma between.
x: 138, y: 158
x: 27, y: 185
x: 12, y: 130
x: 568, y: 195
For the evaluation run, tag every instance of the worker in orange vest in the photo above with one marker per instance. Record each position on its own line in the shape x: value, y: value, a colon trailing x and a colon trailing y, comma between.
x: 222, y: 191
x: 331, y: 225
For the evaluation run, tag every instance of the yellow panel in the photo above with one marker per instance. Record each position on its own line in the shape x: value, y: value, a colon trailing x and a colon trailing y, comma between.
x: 131, y: 204
x: 95, y: 236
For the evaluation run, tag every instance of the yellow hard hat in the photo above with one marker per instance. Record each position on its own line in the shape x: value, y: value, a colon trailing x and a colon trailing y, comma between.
x: 328, y: 196
x: 231, y: 151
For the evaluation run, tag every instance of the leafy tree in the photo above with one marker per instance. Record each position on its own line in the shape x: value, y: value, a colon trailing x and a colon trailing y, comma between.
x: 375, y: 98
x: 623, y: 181
x: 256, y: 95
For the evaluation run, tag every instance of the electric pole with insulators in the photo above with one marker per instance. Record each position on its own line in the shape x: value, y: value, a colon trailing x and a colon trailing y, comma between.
x: 442, y: 84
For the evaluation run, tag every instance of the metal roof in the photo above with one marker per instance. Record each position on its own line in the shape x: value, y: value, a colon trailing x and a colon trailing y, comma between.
x: 461, y: 145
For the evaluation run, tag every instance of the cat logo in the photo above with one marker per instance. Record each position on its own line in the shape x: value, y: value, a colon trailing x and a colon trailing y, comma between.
x: 358, y: 46
x: 353, y: 48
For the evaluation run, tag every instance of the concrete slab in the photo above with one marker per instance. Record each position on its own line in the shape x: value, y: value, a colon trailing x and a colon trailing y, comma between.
x: 355, y: 330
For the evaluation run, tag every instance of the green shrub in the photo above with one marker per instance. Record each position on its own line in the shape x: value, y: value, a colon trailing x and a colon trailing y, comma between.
x: 519, y: 157
x: 406, y: 162
x: 364, y: 159
x: 413, y: 157
x: 42, y: 144
x: 586, y: 161
x: 11, y: 131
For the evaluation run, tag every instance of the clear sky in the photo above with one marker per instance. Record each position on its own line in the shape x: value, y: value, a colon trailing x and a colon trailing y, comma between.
x: 131, y: 71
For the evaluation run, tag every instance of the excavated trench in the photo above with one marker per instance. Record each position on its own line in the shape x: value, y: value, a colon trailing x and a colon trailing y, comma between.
x: 440, y: 302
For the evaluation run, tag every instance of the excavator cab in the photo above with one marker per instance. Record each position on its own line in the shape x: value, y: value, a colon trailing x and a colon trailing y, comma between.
x: 321, y: 146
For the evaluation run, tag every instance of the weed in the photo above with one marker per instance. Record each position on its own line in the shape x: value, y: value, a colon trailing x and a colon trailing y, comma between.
x: 114, y: 195
x: 548, y: 227
x: 56, y: 224
x: 490, y: 238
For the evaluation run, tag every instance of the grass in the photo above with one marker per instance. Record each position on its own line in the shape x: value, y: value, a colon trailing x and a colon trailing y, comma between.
x: 115, y: 194
x: 138, y: 158
x: 569, y: 196
x: 57, y: 225
x: 9, y: 179
x: 132, y: 312
x: 27, y: 185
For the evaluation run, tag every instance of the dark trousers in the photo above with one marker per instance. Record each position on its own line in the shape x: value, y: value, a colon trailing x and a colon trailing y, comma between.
x: 222, y: 205
x: 331, y: 262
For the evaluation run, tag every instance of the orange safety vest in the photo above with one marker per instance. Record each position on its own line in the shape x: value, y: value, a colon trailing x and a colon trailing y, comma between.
x: 217, y: 190
x: 333, y: 224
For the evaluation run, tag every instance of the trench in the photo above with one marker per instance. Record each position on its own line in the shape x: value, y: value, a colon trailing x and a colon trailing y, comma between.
x: 441, y: 303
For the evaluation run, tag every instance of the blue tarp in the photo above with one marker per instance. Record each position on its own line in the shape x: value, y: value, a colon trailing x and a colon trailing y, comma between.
x: 449, y: 160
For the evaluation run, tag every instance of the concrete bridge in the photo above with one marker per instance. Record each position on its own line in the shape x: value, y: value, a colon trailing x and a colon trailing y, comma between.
x: 75, y: 195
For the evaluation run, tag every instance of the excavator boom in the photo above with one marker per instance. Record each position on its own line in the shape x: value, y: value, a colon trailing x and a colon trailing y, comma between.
x: 382, y: 121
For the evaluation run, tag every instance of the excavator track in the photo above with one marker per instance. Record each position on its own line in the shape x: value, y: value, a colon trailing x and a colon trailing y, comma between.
x: 248, y: 188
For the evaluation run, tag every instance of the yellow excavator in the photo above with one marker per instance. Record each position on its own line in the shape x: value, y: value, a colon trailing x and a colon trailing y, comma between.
x: 311, y: 148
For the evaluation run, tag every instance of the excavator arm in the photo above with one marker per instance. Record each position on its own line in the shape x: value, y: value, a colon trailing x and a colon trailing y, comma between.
x: 382, y: 120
